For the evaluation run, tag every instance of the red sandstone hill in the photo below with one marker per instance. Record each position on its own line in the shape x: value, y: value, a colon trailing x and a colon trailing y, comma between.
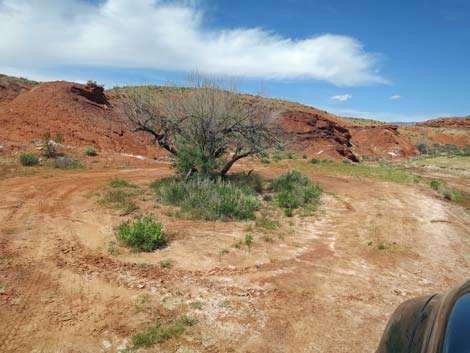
x: 85, y: 116
x: 449, y: 123
x: 81, y: 113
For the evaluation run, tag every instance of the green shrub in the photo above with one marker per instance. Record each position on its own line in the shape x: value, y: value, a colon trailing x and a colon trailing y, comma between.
x: 65, y: 162
x: 191, y: 159
x: 288, y: 212
x: 455, y: 196
x: 435, y: 184
x: 315, y: 161
x: 295, y: 190
x: 143, y: 235
x: 249, y: 181
x: 28, y: 159
x: 209, y: 199
x: 90, y: 151
x: 120, y: 183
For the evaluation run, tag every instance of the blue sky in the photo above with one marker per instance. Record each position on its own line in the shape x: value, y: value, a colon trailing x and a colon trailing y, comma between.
x: 387, y: 60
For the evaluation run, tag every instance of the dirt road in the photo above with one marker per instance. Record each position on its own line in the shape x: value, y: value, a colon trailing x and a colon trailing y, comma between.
x: 319, y: 285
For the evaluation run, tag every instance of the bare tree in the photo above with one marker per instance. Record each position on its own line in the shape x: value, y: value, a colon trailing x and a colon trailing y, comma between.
x: 212, y: 118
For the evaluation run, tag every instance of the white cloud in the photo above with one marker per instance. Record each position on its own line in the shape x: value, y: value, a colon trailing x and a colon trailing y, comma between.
x: 342, y: 97
x: 395, y: 97
x: 170, y: 36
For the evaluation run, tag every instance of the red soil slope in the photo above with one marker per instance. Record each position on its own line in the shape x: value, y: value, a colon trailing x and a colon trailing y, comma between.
x: 11, y: 88
x: 381, y: 141
x: 450, y: 123
x: 316, y: 135
x: 82, y: 114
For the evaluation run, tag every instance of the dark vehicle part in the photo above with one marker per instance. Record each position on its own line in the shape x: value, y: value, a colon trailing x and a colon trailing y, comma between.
x: 432, y: 324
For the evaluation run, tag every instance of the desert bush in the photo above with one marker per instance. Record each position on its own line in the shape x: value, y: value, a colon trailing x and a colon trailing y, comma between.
x: 50, y: 145
x: 143, y: 235
x: 90, y: 151
x: 315, y: 161
x: 422, y: 147
x: 295, y: 190
x: 28, y: 159
x: 249, y: 181
x: 208, y: 199
x: 65, y: 162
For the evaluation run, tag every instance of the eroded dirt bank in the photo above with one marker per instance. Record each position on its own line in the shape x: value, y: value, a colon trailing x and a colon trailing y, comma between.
x: 319, y: 288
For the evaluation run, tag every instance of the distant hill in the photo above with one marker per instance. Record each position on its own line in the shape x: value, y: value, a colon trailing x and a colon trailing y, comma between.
x: 450, y: 123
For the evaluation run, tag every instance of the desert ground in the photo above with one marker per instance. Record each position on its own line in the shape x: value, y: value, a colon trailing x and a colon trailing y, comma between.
x: 321, y: 282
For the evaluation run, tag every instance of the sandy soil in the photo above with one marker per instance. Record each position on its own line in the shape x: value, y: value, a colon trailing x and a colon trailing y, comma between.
x: 317, y: 287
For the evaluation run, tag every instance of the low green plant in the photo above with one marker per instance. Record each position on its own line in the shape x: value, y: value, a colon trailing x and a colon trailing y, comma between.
x: 294, y: 190
x: 120, y: 183
x: 160, y: 333
x: 65, y: 162
x: 196, y: 305
x: 266, y: 222
x: 453, y: 195
x: 288, y: 212
x: 224, y: 252
x: 249, y: 181
x: 435, y: 185
x: 381, y: 246
x: 90, y: 151
x: 119, y: 199
x: 166, y: 264
x: 267, y: 239
x: 209, y: 199
x: 315, y: 161
x: 28, y: 159
x: 9, y: 231
x: 249, y: 240
x: 144, y: 234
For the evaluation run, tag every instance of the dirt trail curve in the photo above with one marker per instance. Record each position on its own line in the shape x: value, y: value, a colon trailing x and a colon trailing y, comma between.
x: 328, y: 291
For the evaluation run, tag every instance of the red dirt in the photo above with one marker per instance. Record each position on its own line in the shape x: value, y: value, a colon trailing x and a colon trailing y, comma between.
x: 316, y: 287
x: 451, y: 123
